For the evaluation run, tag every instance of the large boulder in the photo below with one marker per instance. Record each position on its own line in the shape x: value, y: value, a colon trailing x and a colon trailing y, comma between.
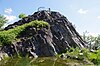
x: 45, y: 42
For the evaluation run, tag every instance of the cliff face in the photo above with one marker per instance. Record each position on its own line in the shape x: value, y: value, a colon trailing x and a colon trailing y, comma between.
x: 47, y: 41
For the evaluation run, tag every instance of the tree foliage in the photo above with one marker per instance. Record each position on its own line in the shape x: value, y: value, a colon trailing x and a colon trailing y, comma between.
x: 3, y: 20
x: 93, y: 41
x: 22, y: 15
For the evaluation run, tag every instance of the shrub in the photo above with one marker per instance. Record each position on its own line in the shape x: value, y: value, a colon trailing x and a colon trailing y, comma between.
x: 85, y: 54
x: 22, y: 15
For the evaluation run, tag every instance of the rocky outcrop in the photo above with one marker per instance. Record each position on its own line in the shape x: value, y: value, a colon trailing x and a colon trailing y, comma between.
x: 45, y: 42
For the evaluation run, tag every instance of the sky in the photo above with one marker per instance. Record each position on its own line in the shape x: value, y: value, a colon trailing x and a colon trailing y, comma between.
x: 84, y: 14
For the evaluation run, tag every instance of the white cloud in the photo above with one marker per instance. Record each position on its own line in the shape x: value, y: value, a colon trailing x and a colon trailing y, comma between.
x: 93, y: 34
x: 8, y: 11
x: 82, y: 11
x: 98, y: 17
x: 10, y: 18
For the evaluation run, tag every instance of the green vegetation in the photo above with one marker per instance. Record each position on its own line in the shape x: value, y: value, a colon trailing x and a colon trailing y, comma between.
x: 94, y: 45
x: 43, y: 61
x: 22, y: 15
x: 73, y: 54
x: 3, y: 20
x: 84, y: 55
x: 93, y: 41
x: 7, y: 37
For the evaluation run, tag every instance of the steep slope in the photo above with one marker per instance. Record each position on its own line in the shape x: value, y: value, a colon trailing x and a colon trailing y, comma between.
x: 50, y: 41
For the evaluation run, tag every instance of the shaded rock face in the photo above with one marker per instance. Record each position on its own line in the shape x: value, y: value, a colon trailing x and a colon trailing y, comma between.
x: 46, y: 42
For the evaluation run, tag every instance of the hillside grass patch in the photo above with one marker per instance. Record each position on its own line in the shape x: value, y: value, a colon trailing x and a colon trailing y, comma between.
x: 8, y: 36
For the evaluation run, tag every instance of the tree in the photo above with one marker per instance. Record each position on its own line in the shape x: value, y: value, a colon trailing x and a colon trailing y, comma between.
x: 93, y: 41
x: 3, y: 20
x: 22, y: 15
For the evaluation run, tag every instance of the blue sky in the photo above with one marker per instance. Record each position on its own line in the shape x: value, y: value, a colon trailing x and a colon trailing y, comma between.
x: 85, y: 14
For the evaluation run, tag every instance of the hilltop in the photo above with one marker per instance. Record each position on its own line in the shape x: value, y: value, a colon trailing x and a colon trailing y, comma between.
x: 45, y: 33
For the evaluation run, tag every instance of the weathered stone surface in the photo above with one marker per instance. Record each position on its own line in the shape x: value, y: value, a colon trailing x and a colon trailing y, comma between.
x: 46, y: 42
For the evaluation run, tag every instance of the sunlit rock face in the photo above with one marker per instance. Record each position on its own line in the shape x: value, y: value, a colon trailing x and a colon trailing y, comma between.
x: 61, y: 35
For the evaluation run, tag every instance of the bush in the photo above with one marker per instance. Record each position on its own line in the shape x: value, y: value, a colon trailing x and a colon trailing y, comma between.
x: 85, y: 54
x: 22, y: 15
